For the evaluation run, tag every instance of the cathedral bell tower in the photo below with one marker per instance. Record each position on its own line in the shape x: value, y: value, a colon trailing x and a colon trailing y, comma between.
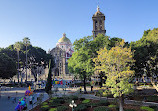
x: 98, y: 23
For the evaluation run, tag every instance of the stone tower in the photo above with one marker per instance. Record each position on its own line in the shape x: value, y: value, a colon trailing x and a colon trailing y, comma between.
x: 98, y: 23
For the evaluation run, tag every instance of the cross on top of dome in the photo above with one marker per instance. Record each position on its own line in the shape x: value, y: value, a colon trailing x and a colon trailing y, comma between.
x: 64, y: 35
x: 98, y: 9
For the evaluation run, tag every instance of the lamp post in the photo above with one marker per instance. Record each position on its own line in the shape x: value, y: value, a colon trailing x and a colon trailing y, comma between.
x: 72, y: 105
x: 26, y: 61
x: 18, y: 64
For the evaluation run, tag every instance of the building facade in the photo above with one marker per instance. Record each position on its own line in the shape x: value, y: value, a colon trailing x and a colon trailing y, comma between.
x: 61, y: 53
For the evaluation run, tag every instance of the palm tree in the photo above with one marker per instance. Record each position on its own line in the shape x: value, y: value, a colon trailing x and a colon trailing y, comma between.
x: 26, y: 42
x: 17, y: 46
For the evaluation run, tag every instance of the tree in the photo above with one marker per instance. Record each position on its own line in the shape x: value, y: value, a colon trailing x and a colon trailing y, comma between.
x: 85, y: 49
x: 145, y: 50
x: 80, y: 62
x: 115, y: 40
x: 17, y: 46
x: 116, y: 63
x: 49, y: 79
x: 26, y: 41
x: 37, y: 58
x: 7, y: 67
x: 151, y: 70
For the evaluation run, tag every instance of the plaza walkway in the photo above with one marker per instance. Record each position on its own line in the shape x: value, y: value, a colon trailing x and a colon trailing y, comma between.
x: 9, y: 105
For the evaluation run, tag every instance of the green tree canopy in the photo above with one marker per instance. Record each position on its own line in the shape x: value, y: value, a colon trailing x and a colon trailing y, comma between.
x: 7, y: 66
x: 80, y: 62
x: 37, y: 57
x: 85, y: 49
x: 145, y: 49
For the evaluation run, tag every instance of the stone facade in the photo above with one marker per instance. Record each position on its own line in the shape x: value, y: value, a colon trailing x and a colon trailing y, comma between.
x: 61, y: 53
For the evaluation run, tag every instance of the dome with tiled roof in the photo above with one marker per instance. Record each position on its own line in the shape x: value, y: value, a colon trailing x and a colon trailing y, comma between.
x: 64, y: 43
x: 64, y: 39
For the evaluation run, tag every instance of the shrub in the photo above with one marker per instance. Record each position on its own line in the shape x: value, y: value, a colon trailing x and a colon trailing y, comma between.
x: 55, y: 104
x: 68, y: 100
x: 81, y: 99
x: 50, y: 101
x: 152, y: 98
x: 66, y: 97
x: 72, y: 97
x: 61, y: 101
x: 154, y: 107
x: 60, y: 98
x: 44, y: 108
x: 44, y: 103
x: 101, y: 108
x: 53, y: 109
x: 53, y: 98
x: 129, y: 110
x: 81, y: 107
x: 86, y: 101
x: 112, y: 106
x: 93, y: 104
x: 90, y: 104
x: 146, y: 108
x: 99, y: 93
x: 62, y: 108
x: 103, y: 103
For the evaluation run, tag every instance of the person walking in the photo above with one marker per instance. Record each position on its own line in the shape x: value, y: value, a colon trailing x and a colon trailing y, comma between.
x: 30, y: 99
x: 38, y: 96
x: 80, y: 89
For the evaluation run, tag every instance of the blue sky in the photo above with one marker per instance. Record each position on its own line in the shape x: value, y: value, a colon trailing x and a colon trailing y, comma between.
x: 44, y: 21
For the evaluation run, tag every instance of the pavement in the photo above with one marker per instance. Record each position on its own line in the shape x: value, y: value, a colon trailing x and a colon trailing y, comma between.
x: 9, y: 104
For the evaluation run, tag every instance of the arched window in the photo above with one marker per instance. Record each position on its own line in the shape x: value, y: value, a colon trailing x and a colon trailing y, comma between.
x: 101, y: 25
x: 96, y: 25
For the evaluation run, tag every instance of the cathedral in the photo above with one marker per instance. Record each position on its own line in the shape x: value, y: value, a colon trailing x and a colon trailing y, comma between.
x: 63, y: 50
x: 61, y: 53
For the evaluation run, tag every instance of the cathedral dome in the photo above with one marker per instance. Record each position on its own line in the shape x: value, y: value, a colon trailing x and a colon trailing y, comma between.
x: 64, y: 39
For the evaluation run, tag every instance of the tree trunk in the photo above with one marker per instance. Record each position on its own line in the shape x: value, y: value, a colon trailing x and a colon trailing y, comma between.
x: 34, y: 73
x: 120, y: 103
x: 153, y: 83
x: 135, y: 86
x: 84, y: 83
x: 101, y: 80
